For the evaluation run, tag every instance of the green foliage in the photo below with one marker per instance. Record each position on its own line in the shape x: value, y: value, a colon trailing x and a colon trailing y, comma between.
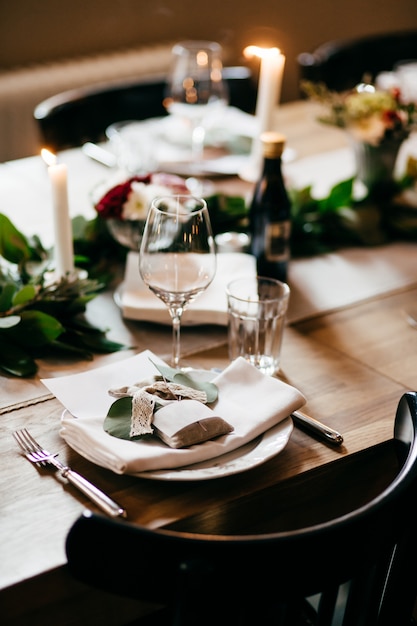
x: 40, y: 316
x: 339, y: 220
x: 118, y: 420
x: 227, y: 213
x: 187, y: 380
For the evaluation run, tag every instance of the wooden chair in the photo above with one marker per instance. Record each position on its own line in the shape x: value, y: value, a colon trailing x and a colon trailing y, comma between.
x: 73, y: 117
x: 343, y: 64
x: 263, y: 578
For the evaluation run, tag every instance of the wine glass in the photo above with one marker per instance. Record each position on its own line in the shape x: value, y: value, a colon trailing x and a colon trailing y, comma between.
x: 177, y: 257
x: 196, y: 88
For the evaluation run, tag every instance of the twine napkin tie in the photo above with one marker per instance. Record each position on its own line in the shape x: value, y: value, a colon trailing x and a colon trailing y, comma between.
x: 145, y: 396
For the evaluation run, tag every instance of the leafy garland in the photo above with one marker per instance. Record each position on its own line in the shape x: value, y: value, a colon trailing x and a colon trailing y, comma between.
x: 337, y: 220
x: 39, y: 316
x: 340, y: 219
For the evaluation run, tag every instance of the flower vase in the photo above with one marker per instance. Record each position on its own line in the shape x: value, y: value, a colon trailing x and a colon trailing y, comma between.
x: 375, y: 164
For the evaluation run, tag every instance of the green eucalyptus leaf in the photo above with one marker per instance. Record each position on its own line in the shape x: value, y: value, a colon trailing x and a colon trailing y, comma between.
x: 340, y: 195
x: 65, y: 348
x: 100, y: 343
x: 36, y: 329
x: 118, y: 419
x: 6, y: 296
x: 210, y: 389
x: 186, y: 379
x: 14, y: 246
x: 96, y: 342
x: 26, y: 294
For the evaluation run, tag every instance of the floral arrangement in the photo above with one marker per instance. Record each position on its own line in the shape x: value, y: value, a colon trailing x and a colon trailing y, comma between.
x: 371, y: 115
x: 128, y: 201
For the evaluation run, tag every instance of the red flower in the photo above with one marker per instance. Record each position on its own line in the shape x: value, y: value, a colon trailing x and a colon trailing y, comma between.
x: 111, y: 204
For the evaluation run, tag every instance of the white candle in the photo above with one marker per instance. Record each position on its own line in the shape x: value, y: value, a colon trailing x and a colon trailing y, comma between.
x: 63, y: 243
x: 269, y: 91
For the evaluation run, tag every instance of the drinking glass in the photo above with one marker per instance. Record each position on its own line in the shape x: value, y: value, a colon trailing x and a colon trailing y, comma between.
x: 177, y: 257
x: 196, y: 87
x: 257, y: 308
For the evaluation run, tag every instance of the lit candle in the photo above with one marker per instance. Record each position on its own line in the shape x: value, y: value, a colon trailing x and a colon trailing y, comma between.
x: 269, y: 91
x: 63, y: 244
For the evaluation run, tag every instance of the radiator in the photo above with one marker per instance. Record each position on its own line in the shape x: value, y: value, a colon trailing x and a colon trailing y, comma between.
x: 23, y: 88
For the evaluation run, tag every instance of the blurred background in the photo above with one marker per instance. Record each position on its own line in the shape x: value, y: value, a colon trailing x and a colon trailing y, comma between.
x: 47, y: 47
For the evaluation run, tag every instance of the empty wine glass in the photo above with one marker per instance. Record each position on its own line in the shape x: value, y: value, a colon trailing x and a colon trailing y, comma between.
x: 177, y: 257
x: 196, y: 87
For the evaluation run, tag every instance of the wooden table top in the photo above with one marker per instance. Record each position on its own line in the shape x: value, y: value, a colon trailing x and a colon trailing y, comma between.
x: 353, y: 365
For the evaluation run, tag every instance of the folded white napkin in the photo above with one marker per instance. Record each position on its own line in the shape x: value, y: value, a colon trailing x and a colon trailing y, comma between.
x: 249, y: 400
x: 210, y: 307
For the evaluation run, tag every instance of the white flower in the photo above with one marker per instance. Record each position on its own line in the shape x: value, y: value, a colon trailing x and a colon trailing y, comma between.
x: 140, y: 198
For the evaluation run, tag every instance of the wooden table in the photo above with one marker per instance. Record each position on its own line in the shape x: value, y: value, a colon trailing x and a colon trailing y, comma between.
x: 353, y: 365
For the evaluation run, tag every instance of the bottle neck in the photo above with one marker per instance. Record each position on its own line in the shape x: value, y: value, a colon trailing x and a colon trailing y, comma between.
x: 272, y: 165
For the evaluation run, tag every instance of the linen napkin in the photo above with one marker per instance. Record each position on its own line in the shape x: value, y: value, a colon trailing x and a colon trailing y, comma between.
x: 139, y: 303
x: 247, y: 399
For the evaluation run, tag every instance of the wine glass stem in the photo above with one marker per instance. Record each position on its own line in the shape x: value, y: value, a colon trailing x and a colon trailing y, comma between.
x: 176, y: 327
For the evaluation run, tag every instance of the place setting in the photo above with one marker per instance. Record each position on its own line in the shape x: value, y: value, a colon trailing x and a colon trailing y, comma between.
x: 169, y: 421
x: 251, y: 434
x: 202, y: 135
x: 163, y: 421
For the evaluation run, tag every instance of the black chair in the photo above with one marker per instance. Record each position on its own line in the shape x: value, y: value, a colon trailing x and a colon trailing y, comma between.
x: 71, y: 118
x: 369, y: 551
x: 341, y: 65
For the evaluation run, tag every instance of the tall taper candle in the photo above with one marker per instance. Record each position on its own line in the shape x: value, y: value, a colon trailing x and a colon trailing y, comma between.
x: 63, y: 240
x: 269, y: 91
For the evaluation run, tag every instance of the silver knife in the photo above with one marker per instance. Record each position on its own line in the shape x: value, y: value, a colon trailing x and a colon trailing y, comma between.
x: 306, y: 422
x: 101, y: 155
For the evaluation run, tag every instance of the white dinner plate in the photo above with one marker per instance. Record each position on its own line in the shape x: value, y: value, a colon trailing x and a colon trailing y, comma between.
x: 254, y: 453
x: 227, y: 165
x: 242, y: 459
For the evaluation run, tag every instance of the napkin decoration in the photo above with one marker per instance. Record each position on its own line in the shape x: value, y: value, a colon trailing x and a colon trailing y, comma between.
x: 152, y: 407
x: 256, y: 405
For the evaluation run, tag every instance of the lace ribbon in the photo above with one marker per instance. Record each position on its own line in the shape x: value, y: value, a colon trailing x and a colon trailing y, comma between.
x: 146, y: 395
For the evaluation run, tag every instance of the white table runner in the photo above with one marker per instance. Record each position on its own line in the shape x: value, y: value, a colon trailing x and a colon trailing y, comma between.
x: 332, y: 281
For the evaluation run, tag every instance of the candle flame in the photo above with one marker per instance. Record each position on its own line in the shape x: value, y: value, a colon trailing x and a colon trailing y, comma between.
x: 255, y: 51
x: 48, y: 157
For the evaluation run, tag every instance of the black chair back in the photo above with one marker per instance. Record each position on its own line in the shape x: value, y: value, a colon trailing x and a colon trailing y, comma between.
x: 71, y: 118
x: 369, y: 552
x: 343, y: 64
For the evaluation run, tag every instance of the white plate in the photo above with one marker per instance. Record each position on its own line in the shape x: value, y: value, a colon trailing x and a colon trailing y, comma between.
x: 228, y: 165
x: 137, y: 302
x: 247, y: 457
x: 254, y: 453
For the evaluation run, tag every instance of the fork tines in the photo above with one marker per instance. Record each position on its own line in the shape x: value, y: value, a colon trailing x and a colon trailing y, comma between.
x: 30, y: 446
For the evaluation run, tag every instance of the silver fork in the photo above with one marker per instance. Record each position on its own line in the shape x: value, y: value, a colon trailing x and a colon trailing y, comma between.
x: 36, y: 454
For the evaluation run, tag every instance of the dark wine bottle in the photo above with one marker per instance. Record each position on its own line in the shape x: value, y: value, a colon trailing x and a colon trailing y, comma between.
x: 270, y: 213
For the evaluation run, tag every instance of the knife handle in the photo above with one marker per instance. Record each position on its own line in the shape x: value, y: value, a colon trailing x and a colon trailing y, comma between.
x: 306, y: 422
